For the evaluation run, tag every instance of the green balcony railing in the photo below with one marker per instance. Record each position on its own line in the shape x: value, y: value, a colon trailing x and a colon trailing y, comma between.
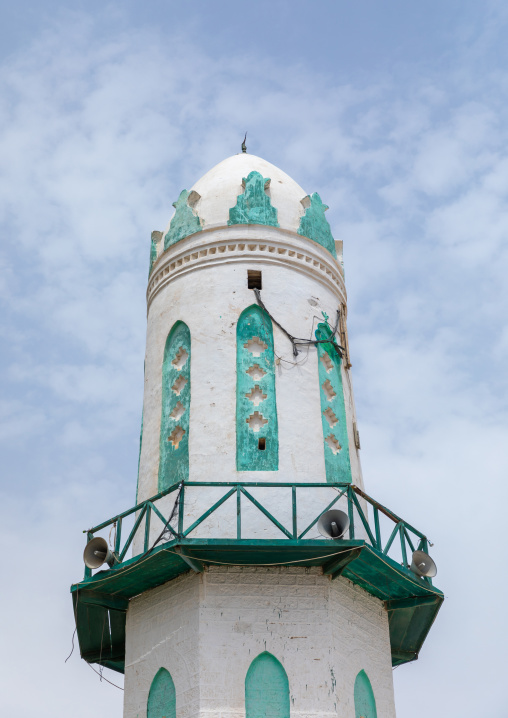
x: 400, y: 532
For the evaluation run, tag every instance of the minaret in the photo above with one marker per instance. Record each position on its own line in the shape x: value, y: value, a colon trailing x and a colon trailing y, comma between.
x: 263, y: 581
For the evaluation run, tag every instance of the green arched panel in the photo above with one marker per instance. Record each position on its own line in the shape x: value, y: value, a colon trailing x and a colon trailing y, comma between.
x: 333, y: 410
x: 365, y: 704
x: 162, y: 696
x: 257, y: 436
x: 176, y: 393
x: 266, y: 688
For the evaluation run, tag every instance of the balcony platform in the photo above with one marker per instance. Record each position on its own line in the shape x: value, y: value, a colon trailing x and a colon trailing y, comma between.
x: 101, y: 601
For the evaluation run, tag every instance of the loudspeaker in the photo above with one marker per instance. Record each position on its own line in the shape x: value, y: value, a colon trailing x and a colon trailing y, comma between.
x: 97, y: 552
x: 423, y: 565
x: 333, y: 524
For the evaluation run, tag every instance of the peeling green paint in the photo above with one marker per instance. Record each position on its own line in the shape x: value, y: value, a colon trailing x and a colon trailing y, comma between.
x: 365, y: 704
x: 185, y: 220
x: 266, y: 688
x: 176, y: 392
x: 162, y: 696
x: 256, y: 405
x: 333, y: 410
x: 314, y: 224
x: 254, y: 205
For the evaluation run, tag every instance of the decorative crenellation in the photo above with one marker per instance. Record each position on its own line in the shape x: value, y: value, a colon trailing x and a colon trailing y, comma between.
x: 206, y: 255
x: 154, y: 249
x: 185, y: 220
x: 314, y: 224
x: 254, y: 206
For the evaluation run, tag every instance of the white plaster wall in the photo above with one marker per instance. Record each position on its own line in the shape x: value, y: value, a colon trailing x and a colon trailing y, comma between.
x: 206, y: 630
x: 163, y: 631
x: 210, y: 301
x: 209, y: 297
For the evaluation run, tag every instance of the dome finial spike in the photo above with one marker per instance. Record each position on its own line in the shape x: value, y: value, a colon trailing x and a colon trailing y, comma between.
x: 244, y: 146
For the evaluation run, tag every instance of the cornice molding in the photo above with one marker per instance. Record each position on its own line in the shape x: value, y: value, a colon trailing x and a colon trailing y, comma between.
x: 244, y: 244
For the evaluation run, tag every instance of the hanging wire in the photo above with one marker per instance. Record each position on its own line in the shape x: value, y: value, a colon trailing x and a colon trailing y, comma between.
x: 160, y: 537
x: 165, y: 531
x: 103, y: 678
x: 296, y: 341
x: 101, y: 668
x: 72, y: 650
x: 112, y: 545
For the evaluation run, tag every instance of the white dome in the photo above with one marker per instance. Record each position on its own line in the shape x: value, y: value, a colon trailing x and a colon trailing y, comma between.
x: 220, y: 187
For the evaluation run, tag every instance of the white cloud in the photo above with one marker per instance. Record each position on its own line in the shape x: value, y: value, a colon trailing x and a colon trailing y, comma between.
x: 98, y: 137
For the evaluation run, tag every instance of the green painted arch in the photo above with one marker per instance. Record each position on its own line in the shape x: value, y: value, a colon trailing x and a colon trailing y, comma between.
x: 266, y: 688
x: 175, y: 411
x: 333, y: 409
x: 255, y: 378
x: 162, y: 696
x: 365, y: 703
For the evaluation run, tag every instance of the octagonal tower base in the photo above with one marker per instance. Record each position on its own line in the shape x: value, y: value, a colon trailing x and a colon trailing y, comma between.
x: 207, y: 629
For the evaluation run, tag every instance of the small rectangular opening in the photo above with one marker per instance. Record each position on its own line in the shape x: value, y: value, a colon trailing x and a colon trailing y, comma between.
x: 254, y: 279
x: 262, y: 444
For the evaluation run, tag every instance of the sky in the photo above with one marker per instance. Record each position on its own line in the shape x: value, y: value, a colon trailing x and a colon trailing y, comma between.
x: 397, y: 114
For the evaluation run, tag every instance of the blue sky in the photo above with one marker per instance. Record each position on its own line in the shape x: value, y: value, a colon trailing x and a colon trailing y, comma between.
x: 396, y: 113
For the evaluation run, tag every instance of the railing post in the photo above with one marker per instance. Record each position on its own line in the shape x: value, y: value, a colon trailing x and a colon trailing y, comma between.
x: 351, y: 514
x: 238, y: 513
x: 403, y: 545
x: 181, y: 510
x: 377, y: 528
x: 88, y: 571
x: 147, y: 527
x: 293, y: 499
x: 118, y: 540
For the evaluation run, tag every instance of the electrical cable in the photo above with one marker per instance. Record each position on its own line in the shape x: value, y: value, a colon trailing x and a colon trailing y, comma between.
x: 278, y: 563
x: 171, y: 517
x: 102, y: 677
x: 296, y: 341
x: 72, y: 650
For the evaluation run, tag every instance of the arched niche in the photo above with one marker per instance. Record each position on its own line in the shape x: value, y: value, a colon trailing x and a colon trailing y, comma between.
x: 266, y: 688
x: 162, y: 696
x: 365, y: 703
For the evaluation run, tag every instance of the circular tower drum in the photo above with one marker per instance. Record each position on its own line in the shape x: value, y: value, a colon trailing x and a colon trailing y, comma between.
x: 247, y: 261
